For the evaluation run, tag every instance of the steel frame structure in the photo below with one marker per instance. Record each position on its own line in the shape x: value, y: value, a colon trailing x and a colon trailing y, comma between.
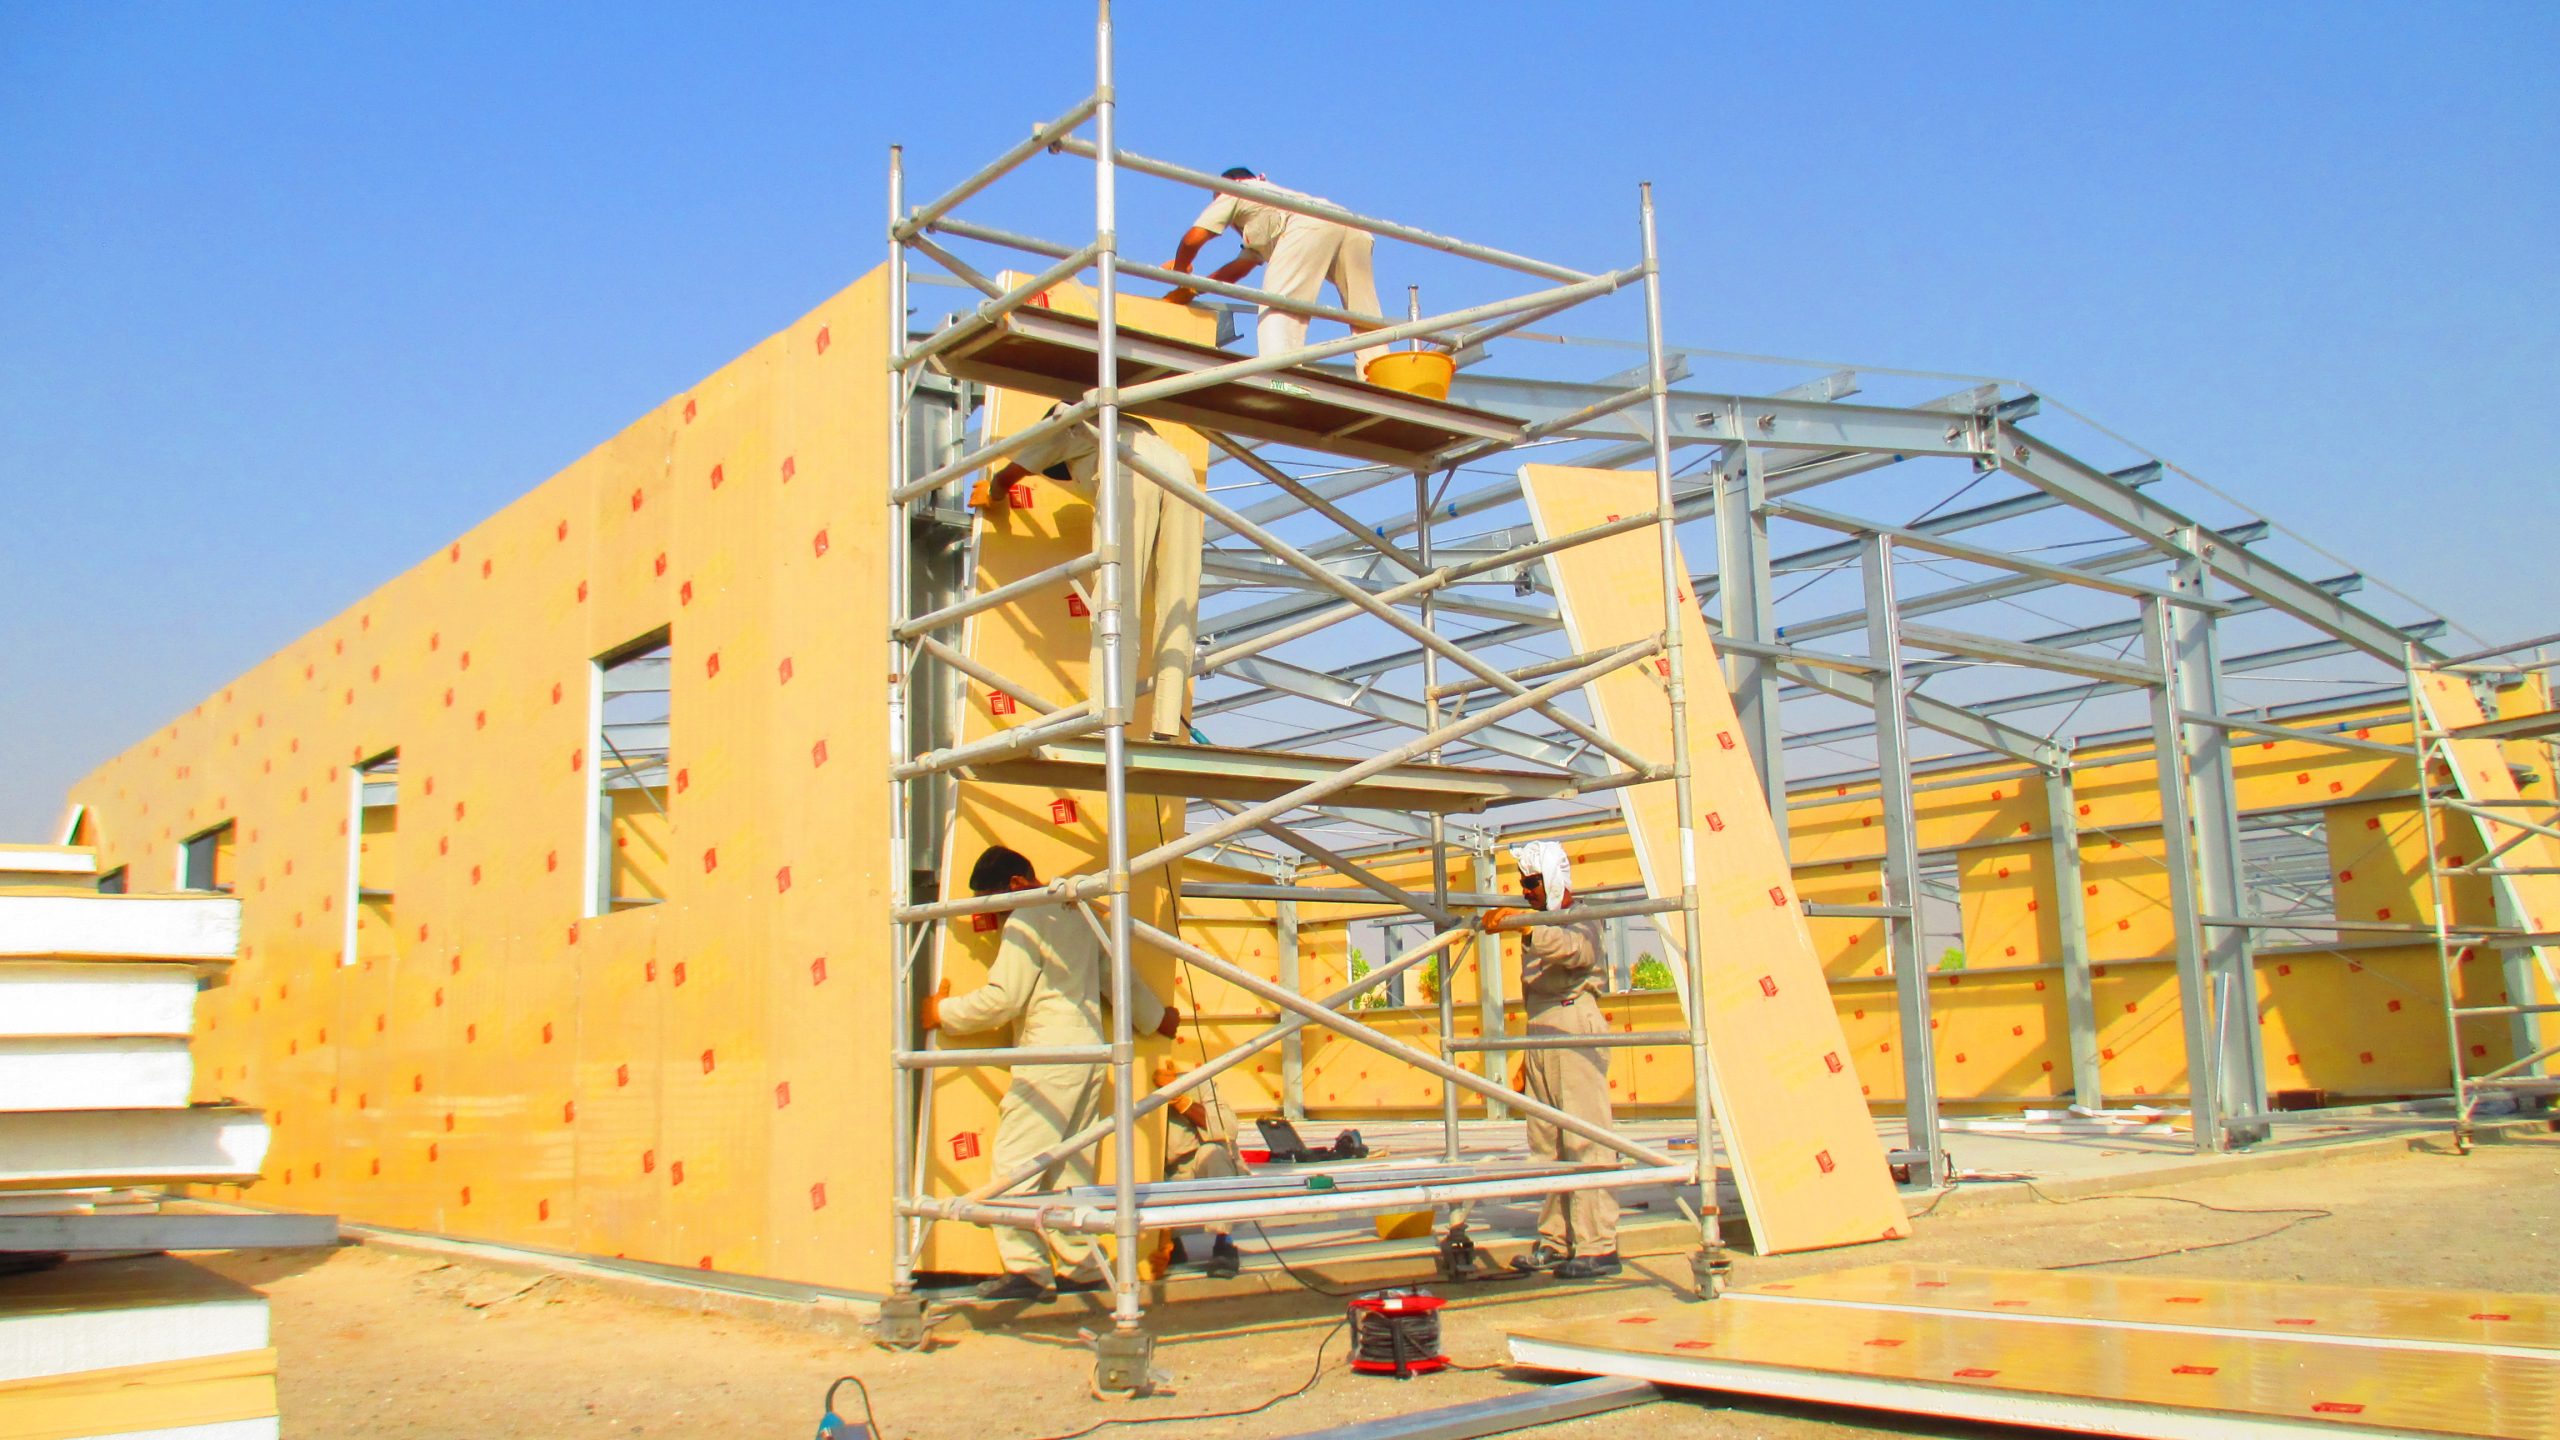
x: 2167, y: 593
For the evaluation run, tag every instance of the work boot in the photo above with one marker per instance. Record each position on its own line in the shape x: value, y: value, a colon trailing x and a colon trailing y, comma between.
x: 1589, y: 1267
x: 1224, y: 1259
x: 1541, y: 1256
x: 1013, y: 1287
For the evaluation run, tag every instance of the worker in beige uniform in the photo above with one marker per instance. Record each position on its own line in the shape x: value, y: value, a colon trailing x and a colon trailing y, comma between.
x: 1199, y: 1144
x: 1160, y: 557
x: 1048, y: 983
x: 1561, y: 980
x: 1302, y: 251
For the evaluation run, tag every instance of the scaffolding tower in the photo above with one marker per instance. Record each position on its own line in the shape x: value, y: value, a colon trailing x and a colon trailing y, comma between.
x: 2465, y: 780
x: 1100, y: 373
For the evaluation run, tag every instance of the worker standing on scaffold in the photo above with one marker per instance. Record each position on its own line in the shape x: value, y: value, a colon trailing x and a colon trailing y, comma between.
x: 1047, y: 982
x: 1303, y: 252
x: 1561, y: 980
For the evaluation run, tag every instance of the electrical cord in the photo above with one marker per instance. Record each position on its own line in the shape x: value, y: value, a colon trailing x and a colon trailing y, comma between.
x: 2303, y: 1215
x: 868, y: 1417
x: 1313, y: 1376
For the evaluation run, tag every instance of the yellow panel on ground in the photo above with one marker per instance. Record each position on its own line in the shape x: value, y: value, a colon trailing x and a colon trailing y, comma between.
x: 2470, y: 1318
x: 2184, y: 1385
x: 1803, y: 1150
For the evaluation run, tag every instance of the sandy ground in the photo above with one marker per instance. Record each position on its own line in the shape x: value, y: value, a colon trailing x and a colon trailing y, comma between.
x: 382, y: 1344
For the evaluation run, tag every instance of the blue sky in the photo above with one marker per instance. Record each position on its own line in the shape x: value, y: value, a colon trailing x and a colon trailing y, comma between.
x: 293, y: 294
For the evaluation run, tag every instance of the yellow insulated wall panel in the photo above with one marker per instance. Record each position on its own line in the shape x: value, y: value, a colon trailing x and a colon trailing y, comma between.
x: 1803, y: 1150
x: 697, y: 1082
x: 1041, y: 641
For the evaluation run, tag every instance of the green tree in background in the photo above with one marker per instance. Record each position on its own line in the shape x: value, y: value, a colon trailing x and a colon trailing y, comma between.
x: 1650, y: 973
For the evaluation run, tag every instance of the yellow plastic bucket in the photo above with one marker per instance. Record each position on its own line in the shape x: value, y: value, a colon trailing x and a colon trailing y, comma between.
x: 1414, y: 372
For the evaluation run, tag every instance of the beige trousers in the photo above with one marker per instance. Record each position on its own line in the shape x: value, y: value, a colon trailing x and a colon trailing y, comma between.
x: 1043, y: 1105
x: 1309, y: 253
x: 1579, y: 1222
x: 1162, y: 566
x: 1212, y: 1161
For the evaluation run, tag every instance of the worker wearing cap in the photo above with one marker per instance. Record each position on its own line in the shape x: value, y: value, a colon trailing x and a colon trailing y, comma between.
x: 1160, y: 556
x: 1302, y: 251
x: 1047, y: 982
x: 1199, y: 1144
x: 1561, y: 981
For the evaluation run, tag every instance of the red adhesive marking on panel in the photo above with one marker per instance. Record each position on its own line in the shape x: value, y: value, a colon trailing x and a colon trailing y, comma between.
x: 782, y: 1096
x: 822, y: 340
x: 1724, y: 738
x: 1019, y: 497
x: 1885, y: 1343
x: 964, y: 1146
x: 1822, y: 1158
x: 2195, y: 1369
x: 790, y: 467
x: 818, y: 543
x: 818, y: 971
x: 818, y: 1196
x: 1062, y: 812
x: 1970, y: 1373
x: 2336, y: 1407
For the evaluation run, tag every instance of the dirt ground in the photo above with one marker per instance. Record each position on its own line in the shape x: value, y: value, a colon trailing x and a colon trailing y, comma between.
x: 378, y: 1343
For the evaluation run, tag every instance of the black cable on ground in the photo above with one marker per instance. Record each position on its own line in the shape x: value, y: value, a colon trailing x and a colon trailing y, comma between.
x: 1312, y: 1377
x: 2303, y: 1215
x: 868, y: 1417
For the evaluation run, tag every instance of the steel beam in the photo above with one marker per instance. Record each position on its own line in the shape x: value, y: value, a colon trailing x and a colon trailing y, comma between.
x: 2205, y: 751
x: 2071, y: 927
x: 2025, y: 654
x: 2195, y: 989
x: 1902, y: 870
x: 1747, y: 615
x: 2092, y: 491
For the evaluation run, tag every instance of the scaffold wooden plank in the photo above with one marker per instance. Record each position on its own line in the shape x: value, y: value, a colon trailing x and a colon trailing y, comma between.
x: 1804, y: 1151
x: 1049, y: 351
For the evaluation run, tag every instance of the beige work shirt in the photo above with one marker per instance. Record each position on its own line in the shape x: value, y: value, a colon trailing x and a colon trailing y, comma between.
x: 1049, y: 981
x: 1560, y: 964
x: 1258, y: 224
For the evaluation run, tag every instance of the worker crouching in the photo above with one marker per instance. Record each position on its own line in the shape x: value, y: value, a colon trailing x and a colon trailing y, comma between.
x: 1561, y: 981
x: 1047, y: 982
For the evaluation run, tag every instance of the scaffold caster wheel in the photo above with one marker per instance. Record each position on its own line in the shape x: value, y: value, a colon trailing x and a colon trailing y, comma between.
x: 1711, y: 1270
x: 1124, y: 1363
x: 901, y: 1325
x: 2462, y: 1141
x: 1458, y: 1257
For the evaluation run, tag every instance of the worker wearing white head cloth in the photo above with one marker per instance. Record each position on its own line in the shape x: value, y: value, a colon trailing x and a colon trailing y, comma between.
x: 1302, y: 251
x: 1561, y: 980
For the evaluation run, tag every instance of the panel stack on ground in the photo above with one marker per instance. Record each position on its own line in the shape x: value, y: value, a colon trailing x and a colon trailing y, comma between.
x: 97, y: 1002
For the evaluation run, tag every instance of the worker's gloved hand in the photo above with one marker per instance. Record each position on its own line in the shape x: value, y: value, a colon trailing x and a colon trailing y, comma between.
x: 1494, y: 916
x: 1171, y: 1024
x: 1166, y: 1072
x: 1182, y: 297
x: 933, y: 1006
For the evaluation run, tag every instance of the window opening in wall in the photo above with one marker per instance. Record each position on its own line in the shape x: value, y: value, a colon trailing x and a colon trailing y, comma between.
x: 627, y: 793
x: 1941, y: 912
x: 204, y: 859
x: 1372, y: 943
x: 373, y: 819
x: 2287, y: 873
x: 112, y: 883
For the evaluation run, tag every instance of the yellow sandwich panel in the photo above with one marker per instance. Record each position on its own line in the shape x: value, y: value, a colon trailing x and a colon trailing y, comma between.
x: 1803, y: 1150
x: 2473, y: 1319
x: 2110, y: 1380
